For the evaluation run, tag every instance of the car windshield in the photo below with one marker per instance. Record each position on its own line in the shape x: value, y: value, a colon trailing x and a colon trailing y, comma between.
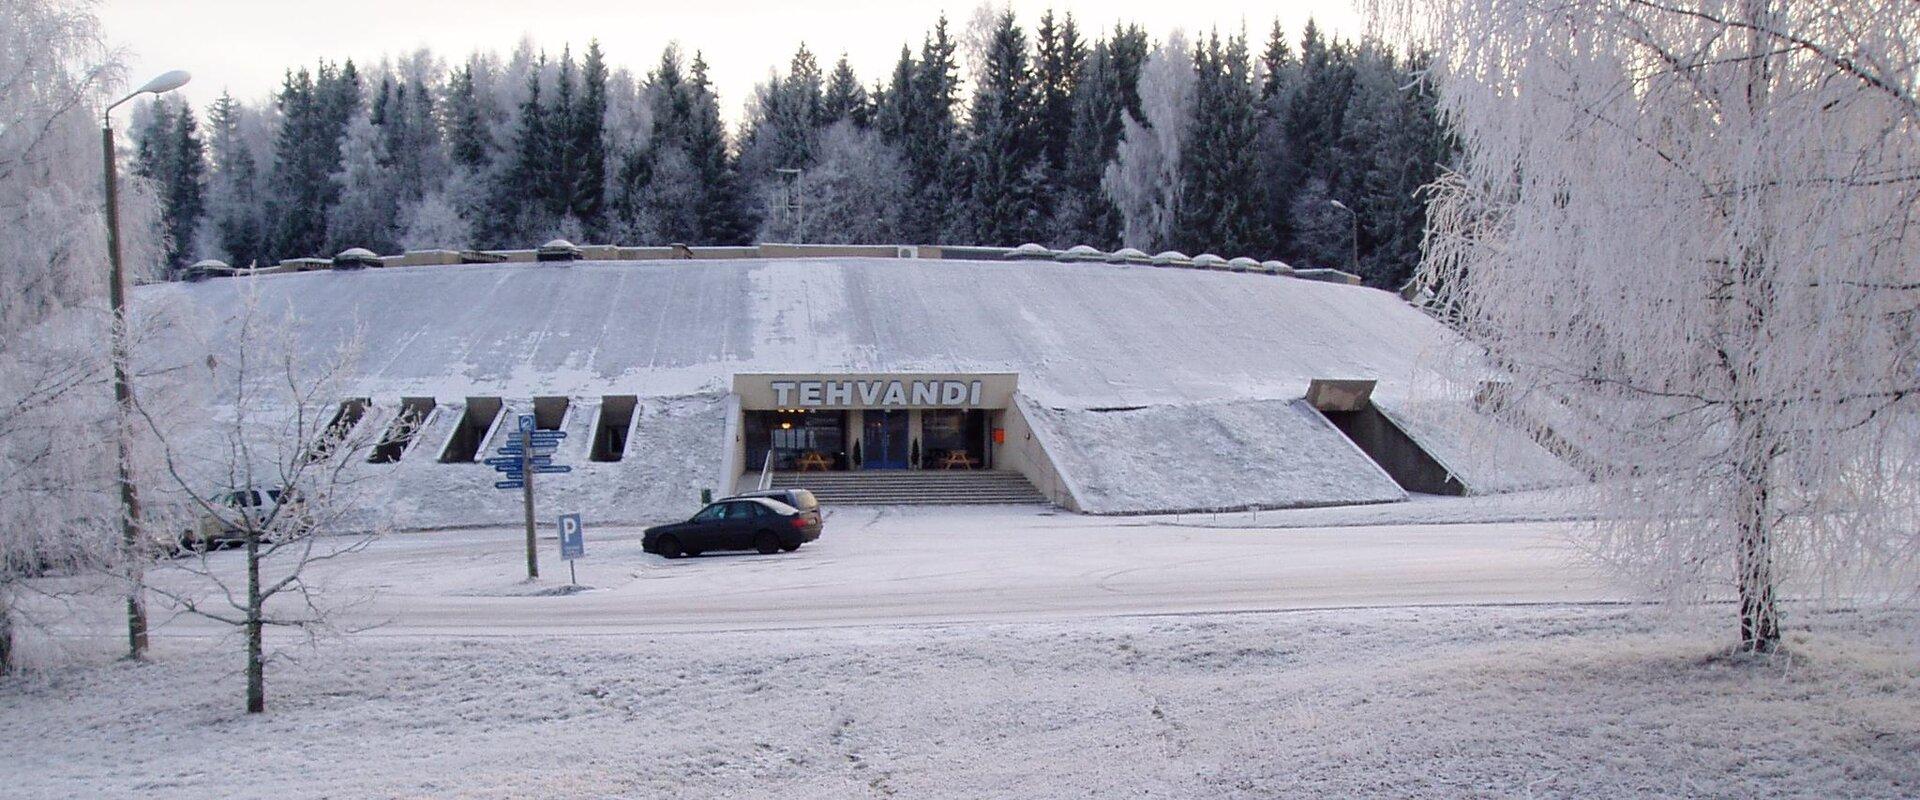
x: 709, y: 513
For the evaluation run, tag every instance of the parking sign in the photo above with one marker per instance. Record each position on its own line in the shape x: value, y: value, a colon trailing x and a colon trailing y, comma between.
x: 573, y: 537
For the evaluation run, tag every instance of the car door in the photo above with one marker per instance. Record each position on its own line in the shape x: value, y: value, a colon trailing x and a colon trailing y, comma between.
x: 740, y: 524
x: 706, y: 530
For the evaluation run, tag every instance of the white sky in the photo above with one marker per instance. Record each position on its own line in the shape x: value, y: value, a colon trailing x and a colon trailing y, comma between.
x: 244, y: 46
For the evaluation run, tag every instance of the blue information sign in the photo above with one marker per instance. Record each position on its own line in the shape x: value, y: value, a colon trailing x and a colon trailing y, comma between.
x: 573, y: 537
x: 527, y: 447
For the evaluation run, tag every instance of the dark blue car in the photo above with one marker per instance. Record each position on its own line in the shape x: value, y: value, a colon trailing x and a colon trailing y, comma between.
x: 744, y: 523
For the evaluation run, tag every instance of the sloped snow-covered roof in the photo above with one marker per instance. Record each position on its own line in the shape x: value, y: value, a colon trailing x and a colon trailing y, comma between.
x: 1077, y: 336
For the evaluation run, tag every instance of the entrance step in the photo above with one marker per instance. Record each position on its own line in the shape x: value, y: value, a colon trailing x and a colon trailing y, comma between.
x: 914, y: 487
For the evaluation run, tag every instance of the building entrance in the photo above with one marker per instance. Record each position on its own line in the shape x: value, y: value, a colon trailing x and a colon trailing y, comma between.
x: 884, y: 444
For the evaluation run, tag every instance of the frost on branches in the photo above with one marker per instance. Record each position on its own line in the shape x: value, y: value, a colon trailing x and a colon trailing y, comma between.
x: 266, y: 464
x: 1690, y: 230
x: 56, y: 408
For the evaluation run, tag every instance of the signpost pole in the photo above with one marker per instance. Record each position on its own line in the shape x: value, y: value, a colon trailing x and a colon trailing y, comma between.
x: 526, y: 493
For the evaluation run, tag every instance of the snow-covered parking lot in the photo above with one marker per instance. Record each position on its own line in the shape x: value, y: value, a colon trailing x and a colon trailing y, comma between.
x: 894, y: 565
x: 1007, y: 652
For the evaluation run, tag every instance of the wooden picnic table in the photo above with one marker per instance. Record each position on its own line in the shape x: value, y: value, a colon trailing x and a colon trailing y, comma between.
x: 812, y: 460
x: 957, y: 458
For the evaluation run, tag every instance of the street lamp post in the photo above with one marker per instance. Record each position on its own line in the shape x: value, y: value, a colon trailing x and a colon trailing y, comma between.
x: 130, y: 542
x: 1353, y: 235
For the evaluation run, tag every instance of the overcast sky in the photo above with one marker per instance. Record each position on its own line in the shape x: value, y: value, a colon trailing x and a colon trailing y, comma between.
x: 244, y: 46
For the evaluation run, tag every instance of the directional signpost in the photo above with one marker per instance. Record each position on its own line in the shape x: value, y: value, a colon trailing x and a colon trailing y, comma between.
x: 527, y: 454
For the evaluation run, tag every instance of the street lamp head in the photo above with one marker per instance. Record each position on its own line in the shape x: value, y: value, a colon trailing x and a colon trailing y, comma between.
x: 162, y: 83
x: 1339, y: 205
x: 165, y: 82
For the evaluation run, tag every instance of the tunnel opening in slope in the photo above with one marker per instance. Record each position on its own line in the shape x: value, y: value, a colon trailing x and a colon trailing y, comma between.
x: 401, y: 433
x: 470, y: 433
x: 1348, y: 404
x: 336, y: 430
x: 610, y: 433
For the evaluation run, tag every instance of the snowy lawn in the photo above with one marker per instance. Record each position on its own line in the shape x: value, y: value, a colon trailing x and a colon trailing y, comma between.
x: 1548, y: 701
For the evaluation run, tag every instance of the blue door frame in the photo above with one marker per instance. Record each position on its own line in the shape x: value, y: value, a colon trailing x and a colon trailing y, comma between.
x: 885, y: 440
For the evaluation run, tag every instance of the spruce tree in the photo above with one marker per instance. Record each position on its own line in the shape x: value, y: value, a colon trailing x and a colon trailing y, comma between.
x: 522, y: 195
x: 469, y: 139
x: 1281, y: 169
x: 233, y: 198
x: 185, y: 199
x: 314, y: 109
x: 928, y: 141
x: 724, y: 214
x: 1218, y: 161
x: 1083, y: 214
x: 893, y: 106
x: 169, y: 154
x: 1006, y: 158
x: 587, y: 136
x: 845, y: 99
x: 1059, y: 54
x: 1392, y: 145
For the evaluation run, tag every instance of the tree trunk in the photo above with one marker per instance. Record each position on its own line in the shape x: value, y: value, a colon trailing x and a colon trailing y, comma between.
x: 256, y: 662
x: 1759, y: 617
x: 6, y: 639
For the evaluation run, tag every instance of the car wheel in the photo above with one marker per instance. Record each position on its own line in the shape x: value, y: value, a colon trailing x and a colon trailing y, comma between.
x: 790, y: 547
x: 670, y: 547
x: 766, y: 543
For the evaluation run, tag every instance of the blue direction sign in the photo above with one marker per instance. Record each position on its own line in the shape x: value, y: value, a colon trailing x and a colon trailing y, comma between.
x: 529, y: 447
x: 514, y: 461
x: 573, y: 537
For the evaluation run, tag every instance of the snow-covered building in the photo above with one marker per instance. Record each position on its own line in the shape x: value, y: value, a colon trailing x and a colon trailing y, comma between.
x: 1109, y: 386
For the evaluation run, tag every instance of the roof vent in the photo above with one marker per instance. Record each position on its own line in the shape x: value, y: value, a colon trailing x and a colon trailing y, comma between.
x: 1276, y: 267
x: 1171, y: 258
x: 1082, y: 252
x: 206, y: 268
x: 1209, y: 261
x: 1030, y: 252
x: 1243, y: 264
x: 1131, y: 256
x: 356, y: 258
x: 557, y: 250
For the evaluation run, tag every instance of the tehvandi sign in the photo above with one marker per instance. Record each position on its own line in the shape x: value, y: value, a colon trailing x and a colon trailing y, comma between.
x: 874, y: 391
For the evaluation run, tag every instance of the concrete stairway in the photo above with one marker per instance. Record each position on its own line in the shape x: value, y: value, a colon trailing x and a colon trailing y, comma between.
x: 914, y: 487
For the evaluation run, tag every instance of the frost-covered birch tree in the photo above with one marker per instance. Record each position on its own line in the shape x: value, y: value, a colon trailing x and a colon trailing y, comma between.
x: 56, y: 411
x: 269, y: 464
x: 1144, y: 178
x: 1693, y: 227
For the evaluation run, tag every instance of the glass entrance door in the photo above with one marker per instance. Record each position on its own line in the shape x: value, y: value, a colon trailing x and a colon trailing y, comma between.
x: 885, y: 441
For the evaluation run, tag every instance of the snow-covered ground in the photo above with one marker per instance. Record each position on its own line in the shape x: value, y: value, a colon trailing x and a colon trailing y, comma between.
x: 990, y: 652
x: 1553, y: 701
x: 933, y: 564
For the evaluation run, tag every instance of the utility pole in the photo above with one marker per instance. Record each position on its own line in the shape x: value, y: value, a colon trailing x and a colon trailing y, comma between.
x: 132, y: 547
